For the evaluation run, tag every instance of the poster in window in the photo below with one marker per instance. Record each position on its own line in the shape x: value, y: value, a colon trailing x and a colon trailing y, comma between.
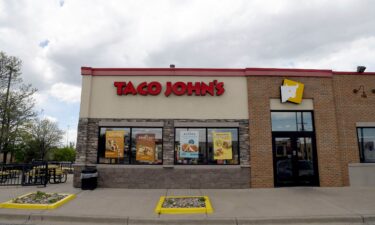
x: 222, y: 145
x: 189, y: 144
x: 145, y: 147
x: 114, y: 144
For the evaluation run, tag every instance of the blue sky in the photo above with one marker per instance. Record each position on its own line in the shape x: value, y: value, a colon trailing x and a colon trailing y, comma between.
x: 54, y: 38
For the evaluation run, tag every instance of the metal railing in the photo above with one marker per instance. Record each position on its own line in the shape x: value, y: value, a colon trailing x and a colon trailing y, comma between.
x: 35, y: 173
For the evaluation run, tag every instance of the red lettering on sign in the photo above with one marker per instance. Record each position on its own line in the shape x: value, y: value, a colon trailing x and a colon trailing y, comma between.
x: 194, y: 88
x: 119, y: 86
x: 207, y: 88
x: 129, y: 89
x: 178, y: 88
x: 169, y: 89
x: 141, y: 88
x: 154, y: 88
x: 220, y: 88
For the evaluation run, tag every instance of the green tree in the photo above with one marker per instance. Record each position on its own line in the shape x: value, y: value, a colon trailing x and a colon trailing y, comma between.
x: 17, y: 104
x: 64, y: 154
x: 44, y: 136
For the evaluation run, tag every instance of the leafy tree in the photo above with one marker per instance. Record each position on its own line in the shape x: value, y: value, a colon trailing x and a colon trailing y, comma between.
x: 16, y: 101
x: 44, y: 136
x: 64, y: 154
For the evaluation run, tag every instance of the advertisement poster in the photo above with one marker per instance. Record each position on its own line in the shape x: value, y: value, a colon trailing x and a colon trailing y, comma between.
x: 189, y: 144
x: 145, y: 147
x: 222, y: 145
x: 114, y: 145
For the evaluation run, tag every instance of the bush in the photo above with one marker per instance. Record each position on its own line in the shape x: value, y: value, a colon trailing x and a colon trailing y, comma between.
x: 64, y: 154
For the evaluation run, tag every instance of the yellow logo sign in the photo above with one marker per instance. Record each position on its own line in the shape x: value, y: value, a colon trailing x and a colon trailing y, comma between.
x: 292, y: 91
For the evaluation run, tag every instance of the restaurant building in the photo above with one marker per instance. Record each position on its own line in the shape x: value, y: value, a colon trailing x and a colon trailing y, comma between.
x: 226, y: 128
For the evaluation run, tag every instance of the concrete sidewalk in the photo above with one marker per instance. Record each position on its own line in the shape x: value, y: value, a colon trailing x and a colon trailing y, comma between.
x: 300, y: 205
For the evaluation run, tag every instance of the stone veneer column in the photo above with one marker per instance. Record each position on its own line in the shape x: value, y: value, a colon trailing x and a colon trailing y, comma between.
x: 168, y: 142
x: 81, y: 141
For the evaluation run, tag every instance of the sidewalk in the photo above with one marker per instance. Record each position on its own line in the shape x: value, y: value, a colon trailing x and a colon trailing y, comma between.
x: 345, y: 205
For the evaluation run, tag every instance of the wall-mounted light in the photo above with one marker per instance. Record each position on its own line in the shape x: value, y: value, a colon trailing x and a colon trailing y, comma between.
x: 361, y: 69
x: 361, y: 87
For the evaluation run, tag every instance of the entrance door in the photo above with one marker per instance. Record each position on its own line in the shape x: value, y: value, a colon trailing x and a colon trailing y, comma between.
x: 295, y: 161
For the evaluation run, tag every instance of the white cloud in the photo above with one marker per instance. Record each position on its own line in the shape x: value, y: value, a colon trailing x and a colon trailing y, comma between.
x: 50, y: 118
x: 66, y: 92
x: 189, y: 33
x: 40, y: 99
x: 70, y: 135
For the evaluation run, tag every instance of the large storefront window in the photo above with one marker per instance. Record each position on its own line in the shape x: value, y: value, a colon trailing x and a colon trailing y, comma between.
x: 202, y: 146
x: 127, y: 145
x: 366, y: 142
x: 292, y: 121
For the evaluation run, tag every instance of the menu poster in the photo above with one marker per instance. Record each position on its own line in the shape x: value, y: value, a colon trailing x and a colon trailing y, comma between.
x: 189, y: 144
x: 145, y: 147
x: 222, y: 145
x: 114, y: 144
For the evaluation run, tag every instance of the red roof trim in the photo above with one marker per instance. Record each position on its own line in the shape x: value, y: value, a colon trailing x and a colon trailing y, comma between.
x: 213, y: 72
x: 352, y: 73
x: 288, y: 70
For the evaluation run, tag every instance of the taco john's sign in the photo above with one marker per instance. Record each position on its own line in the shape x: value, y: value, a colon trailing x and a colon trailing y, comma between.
x: 179, y: 88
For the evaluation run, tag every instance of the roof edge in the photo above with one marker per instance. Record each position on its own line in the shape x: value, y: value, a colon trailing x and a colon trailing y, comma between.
x: 230, y: 72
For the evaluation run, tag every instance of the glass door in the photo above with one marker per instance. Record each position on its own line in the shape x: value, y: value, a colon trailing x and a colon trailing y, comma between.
x: 295, y: 161
x: 283, y: 161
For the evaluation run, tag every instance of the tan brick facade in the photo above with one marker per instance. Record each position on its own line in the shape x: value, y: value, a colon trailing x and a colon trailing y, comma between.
x: 336, y: 111
x: 352, y: 108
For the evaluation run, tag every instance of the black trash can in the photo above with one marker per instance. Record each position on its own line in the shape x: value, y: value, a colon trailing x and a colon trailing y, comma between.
x: 89, y: 179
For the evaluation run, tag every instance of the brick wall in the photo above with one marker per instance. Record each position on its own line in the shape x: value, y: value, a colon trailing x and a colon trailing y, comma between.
x: 352, y: 108
x: 260, y: 91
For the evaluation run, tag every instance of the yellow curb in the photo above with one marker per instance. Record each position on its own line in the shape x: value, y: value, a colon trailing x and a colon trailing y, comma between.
x: 160, y: 210
x: 11, y: 205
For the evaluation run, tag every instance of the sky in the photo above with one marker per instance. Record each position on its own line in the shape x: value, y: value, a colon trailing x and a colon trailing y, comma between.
x: 54, y: 38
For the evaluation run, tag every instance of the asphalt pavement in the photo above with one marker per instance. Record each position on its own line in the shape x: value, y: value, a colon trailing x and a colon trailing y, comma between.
x: 298, y: 205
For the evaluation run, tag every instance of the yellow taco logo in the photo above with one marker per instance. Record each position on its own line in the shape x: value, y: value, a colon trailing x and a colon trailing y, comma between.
x: 292, y: 91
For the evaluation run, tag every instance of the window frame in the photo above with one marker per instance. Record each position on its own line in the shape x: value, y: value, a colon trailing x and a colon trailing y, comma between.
x: 206, y: 145
x: 362, y: 158
x: 296, y: 111
x: 131, y: 145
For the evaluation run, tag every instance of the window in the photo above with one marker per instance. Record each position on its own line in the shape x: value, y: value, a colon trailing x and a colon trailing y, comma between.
x: 202, y: 146
x: 366, y: 142
x: 125, y: 145
x: 292, y: 121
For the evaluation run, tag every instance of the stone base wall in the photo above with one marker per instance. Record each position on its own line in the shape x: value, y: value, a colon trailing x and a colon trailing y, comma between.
x: 177, y: 177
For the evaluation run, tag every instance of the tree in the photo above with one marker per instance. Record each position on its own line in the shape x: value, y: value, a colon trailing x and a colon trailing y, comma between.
x: 44, y: 136
x: 64, y: 154
x: 16, y: 101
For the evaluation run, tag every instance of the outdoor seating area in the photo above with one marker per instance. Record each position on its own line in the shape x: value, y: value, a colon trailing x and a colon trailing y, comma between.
x: 35, y: 173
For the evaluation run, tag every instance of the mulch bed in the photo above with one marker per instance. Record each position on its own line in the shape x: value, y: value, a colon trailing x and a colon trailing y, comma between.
x: 190, y: 202
x: 39, y: 197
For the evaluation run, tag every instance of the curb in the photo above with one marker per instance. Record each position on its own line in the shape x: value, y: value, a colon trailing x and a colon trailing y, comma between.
x: 34, y: 217
x: 304, y: 219
x: 368, y: 218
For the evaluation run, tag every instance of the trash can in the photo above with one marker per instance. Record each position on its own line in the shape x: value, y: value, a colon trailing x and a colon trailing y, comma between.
x: 89, y: 179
